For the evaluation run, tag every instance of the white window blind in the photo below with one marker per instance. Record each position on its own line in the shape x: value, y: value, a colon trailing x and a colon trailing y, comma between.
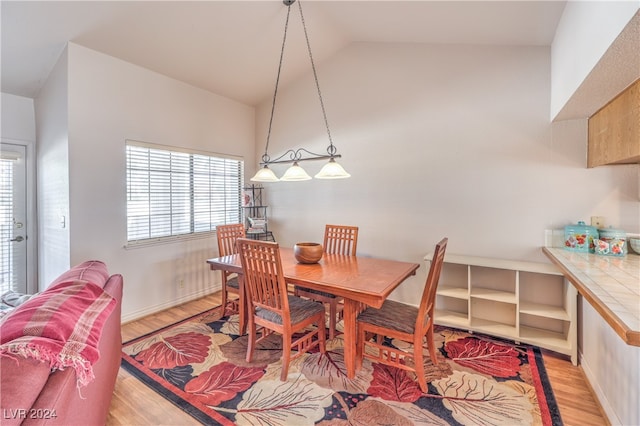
x: 172, y: 192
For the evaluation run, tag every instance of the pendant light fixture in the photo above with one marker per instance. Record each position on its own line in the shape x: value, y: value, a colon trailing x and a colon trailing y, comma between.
x: 331, y: 170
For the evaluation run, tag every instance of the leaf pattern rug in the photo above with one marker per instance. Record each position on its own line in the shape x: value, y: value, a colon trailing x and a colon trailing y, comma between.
x: 199, y: 364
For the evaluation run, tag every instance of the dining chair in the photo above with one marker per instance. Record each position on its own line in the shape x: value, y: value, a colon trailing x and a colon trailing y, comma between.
x: 273, y: 308
x: 407, y: 323
x: 338, y: 239
x: 227, y: 235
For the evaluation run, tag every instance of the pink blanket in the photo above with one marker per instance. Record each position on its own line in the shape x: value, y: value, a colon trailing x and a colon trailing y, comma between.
x: 61, y: 326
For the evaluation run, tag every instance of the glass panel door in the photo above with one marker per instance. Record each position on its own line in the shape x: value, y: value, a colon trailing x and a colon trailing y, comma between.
x: 13, y: 216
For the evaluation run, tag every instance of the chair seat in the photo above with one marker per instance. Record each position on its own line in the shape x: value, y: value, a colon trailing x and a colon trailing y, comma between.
x: 233, y: 283
x: 318, y: 292
x: 299, y: 308
x: 392, y: 315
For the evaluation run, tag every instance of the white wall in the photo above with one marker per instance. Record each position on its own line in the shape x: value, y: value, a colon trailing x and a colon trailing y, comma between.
x: 611, y: 366
x: 584, y: 33
x: 110, y: 101
x: 53, y: 174
x: 18, y: 118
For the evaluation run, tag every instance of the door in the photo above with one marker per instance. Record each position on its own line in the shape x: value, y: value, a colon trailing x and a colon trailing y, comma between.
x: 13, y: 216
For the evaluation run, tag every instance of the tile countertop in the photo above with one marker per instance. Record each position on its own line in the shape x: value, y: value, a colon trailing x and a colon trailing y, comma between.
x: 610, y: 284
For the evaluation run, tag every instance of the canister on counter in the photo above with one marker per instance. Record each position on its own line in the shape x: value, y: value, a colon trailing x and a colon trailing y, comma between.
x: 580, y: 237
x: 611, y: 242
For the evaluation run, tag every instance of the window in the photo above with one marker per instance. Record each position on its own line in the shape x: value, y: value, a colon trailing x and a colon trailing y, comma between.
x: 173, y: 192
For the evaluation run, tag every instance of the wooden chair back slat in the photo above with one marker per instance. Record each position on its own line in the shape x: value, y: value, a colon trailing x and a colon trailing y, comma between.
x: 340, y: 239
x: 227, y: 235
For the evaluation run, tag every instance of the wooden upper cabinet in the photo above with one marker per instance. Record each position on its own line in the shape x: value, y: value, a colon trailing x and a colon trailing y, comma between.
x: 614, y: 131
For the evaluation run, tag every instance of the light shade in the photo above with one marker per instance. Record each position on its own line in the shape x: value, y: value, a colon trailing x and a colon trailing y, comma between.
x: 265, y: 174
x: 332, y: 170
x: 295, y: 173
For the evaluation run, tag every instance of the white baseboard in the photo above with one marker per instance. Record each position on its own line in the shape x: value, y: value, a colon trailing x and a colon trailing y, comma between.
x: 600, y: 395
x: 157, y: 308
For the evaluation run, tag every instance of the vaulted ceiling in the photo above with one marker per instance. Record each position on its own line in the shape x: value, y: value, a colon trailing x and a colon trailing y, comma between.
x: 232, y: 47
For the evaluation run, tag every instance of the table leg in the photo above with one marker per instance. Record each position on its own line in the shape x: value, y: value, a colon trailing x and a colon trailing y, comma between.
x: 351, y: 310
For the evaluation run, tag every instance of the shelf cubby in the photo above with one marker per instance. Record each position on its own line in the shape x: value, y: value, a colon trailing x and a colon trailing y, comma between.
x: 453, y: 318
x: 523, y: 301
x: 496, y: 295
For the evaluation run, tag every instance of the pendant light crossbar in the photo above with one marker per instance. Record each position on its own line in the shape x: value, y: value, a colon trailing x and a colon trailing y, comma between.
x: 297, y: 155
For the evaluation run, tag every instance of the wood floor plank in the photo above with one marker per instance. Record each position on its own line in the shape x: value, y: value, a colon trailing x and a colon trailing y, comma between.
x: 135, y: 403
x: 576, y: 400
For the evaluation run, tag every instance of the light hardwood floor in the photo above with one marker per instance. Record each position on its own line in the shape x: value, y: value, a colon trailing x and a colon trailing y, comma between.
x: 135, y: 404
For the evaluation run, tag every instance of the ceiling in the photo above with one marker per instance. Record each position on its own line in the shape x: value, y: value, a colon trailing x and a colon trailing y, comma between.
x: 232, y: 47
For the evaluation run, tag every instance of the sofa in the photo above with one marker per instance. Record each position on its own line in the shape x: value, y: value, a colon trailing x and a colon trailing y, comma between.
x: 34, y: 387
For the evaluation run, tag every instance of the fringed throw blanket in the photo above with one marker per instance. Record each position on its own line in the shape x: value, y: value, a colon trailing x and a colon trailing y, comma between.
x: 61, y: 326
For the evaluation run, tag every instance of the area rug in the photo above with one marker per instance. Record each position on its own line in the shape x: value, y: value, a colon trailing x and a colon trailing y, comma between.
x: 199, y: 365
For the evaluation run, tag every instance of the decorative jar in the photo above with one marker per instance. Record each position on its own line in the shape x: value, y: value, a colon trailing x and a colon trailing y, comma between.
x: 580, y: 237
x: 611, y: 242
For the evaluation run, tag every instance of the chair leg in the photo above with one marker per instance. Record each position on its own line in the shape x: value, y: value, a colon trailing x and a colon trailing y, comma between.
x: 223, y: 293
x: 333, y: 313
x: 251, y: 339
x: 360, y: 337
x: 322, y: 335
x: 432, y: 346
x: 419, y: 366
x: 243, y: 307
x: 286, y: 356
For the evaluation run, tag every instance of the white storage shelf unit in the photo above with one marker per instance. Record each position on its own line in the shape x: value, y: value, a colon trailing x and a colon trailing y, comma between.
x: 520, y: 301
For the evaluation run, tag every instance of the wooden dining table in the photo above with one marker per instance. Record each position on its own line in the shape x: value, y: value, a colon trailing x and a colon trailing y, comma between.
x: 361, y: 281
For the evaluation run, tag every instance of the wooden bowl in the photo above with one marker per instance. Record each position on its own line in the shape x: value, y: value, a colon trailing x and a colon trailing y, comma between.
x: 308, y: 252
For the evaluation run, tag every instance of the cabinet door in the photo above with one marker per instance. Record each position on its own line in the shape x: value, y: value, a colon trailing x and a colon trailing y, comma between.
x: 614, y: 131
